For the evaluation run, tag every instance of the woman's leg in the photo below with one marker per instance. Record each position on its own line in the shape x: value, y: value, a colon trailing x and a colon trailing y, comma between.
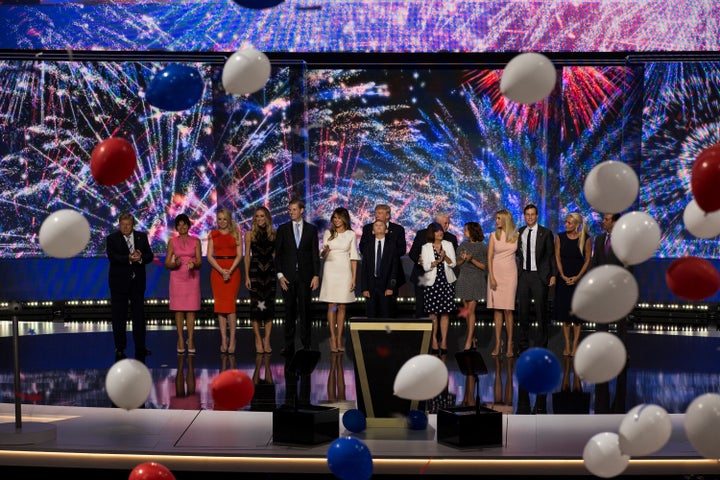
x: 332, y: 310
x: 566, y: 336
x: 258, y: 339
x: 444, y: 324
x: 340, y: 327
x: 576, y: 338
x: 433, y: 338
x: 223, y: 324
x: 509, y: 329
x: 498, y: 318
x: 179, y: 325
x: 266, y: 339
x: 190, y: 321
x: 232, y: 326
x: 470, y: 323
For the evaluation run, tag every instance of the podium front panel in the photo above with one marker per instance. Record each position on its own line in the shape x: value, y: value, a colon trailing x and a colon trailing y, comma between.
x: 381, y: 346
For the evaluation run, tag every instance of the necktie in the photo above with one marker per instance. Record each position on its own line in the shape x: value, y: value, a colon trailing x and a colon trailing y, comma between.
x: 527, y: 250
x: 129, y: 242
x: 378, y: 257
x: 297, y: 235
x: 607, y: 244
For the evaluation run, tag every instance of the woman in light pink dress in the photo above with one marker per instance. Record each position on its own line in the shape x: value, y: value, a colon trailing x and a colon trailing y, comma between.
x: 183, y: 259
x: 502, y: 278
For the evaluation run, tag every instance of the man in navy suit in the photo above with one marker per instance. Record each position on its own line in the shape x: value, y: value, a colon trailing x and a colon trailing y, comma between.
x: 128, y: 251
x: 379, y: 273
x: 396, y: 235
x: 418, y: 271
x: 297, y: 262
x: 537, y: 269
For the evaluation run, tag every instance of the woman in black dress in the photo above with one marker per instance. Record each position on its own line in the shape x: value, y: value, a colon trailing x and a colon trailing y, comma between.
x: 572, y: 253
x: 260, y: 278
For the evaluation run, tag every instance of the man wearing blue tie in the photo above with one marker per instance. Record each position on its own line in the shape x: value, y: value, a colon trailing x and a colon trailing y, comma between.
x: 379, y: 272
x: 297, y: 262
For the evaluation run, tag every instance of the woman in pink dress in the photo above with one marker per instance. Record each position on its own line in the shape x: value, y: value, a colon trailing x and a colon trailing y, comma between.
x: 184, y: 258
x: 502, y: 278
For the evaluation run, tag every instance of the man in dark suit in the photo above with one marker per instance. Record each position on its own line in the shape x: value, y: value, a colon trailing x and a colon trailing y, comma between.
x: 297, y: 262
x: 379, y: 273
x: 603, y: 255
x: 396, y: 235
x: 128, y: 251
x: 537, y: 269
x: 420, y: 238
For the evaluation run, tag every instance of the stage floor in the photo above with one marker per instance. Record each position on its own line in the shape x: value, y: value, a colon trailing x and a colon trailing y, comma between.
x: 63, y: 368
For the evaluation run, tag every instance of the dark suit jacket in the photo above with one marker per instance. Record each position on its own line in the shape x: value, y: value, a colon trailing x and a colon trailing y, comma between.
x: 599, y: 257
x: 396, y: 235
x: 416, y: 248
x: 389, y: 266
x: 121, y: 269
x: 544, y: 253
x: 301, y: 262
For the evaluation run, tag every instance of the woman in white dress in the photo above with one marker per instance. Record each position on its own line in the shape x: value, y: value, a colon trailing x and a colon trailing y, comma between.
x: 338, y: 281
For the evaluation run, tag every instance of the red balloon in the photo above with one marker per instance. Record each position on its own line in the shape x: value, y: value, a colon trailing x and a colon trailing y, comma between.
x: 232, y: 390
x: 151, y: 471
x: 706, y: 178
x: 692, y: 278
x: 113, y: 161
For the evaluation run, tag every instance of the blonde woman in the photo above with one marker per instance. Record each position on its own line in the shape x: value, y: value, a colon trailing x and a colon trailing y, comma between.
x: 224, y: 252
x: 572, y: 253
x: 339, y: 273
x: 260, y: 277
x: 502, y: 278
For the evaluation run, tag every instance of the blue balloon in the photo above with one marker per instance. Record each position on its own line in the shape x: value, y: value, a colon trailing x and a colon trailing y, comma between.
x: 354, y: 420
x: 350, y: 459
x: 538, y: 370
x: 175, y: 88
x: 258, y: 4
x: 417, y: 420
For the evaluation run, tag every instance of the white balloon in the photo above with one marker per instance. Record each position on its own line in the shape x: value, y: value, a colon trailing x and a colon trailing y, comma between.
x: 421, y: 378
x: 602, y: 456
x: 635, y: 237
x: 128, y: 383
x: 528, y: 78
x: 701, y: 224
x: 246, y: 71
x: 600, y: 357
x: 611, y: 186
x: 644, y: 430
x: 605, y: 294
x: 64, y: 233
x: 702, y: 423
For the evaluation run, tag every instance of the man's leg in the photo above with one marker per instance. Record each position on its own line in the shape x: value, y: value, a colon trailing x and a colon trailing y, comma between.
x: 119, y: 309
x: 304, y: 299
x: 522, y: 334
x: 290, y: 301
x: 539, y: 292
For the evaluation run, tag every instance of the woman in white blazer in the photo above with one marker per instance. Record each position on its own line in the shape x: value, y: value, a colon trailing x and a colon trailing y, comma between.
x: 438, y: 260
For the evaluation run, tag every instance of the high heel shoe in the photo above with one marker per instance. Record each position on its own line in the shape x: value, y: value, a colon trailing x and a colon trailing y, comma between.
x: 499, y: 350
x: 181, y: 350
x: 231, y: 347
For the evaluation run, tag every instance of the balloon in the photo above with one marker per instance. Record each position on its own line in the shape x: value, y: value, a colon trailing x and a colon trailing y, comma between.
x: 635, y: 237
x: 246, y: 71
x: 538, y: 370
x: 421, y: 378
x: 705, y: 179
x: 175, y: 88
x: 112, y: 161
x: 605, y: 294
x: 128, y: 383
x: 644, y: 430
x: 354, y: 420
x: 64, y: 234
x: 528, y: 78
x: 258, y: 4
x: 701, y: 224
x: 702, y: 422
x: 600, y: 357
x: 350, y: 459
x: 151, y: 471
x: 417, y: 420
x: 692, y: 278
x: 611, y: 186
x: 602, y: 456
x: 232, y: 390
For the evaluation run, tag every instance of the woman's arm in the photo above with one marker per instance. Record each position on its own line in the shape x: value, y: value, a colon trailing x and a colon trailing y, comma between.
x: 170, y: 257
x: 586, y: 264
x: 198, y: 254
x: 246, y: 259
x: 491, y: 253
x: 557, y: 259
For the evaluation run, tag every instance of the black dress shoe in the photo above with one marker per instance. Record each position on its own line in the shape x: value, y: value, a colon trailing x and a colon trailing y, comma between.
x: 287, y: 352
x: 119, y: 355
x: 145, y: 352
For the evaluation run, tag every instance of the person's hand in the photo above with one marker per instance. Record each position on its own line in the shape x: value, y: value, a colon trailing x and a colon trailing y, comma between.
x: 284, y: 283
x: 366, y: 293
x: 325, y: 250
x: 248, y: 283
x: 552, y: 281
x: 352, y: 286
x: 315, y: 282
x: 226, y: 275
x: 177, y: 262
x: 388, y: 292
x: 493, y: 283
x: 190, y: 265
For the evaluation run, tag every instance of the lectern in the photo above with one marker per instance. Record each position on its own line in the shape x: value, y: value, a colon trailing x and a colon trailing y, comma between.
x: 381, y: 346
